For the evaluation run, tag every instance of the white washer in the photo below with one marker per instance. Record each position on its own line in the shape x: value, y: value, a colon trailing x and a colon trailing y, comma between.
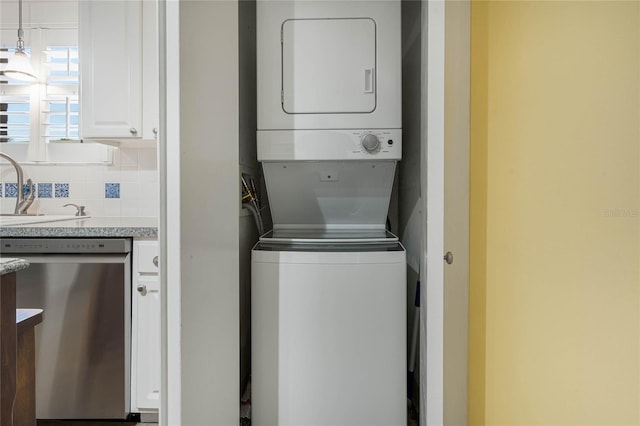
x: 329, y: 332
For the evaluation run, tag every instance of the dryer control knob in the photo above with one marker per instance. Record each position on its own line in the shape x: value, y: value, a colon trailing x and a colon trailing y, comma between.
x: 370, y: 142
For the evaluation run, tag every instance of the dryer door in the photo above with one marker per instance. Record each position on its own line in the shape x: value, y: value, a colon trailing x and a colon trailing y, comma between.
x: 329, y: 66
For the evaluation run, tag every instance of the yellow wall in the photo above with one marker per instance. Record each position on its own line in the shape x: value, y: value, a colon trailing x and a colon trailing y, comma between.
x: 555, y: 279
x: 477, y: 213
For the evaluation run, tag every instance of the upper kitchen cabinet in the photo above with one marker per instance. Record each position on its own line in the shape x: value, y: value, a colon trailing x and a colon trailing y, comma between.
x: 119, y: 69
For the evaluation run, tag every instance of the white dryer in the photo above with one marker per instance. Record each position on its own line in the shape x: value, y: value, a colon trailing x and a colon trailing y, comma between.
x: 329, y: 65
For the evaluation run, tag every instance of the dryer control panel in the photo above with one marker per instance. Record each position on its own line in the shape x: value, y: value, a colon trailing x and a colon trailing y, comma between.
x: 378, y: 141
x: 348, y: 144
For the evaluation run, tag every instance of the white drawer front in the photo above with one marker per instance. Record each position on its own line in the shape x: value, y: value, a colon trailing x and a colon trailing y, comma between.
x: 147, y: 256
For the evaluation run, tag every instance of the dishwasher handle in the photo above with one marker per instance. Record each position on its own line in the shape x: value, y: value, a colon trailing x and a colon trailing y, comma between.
x: 74, y: 258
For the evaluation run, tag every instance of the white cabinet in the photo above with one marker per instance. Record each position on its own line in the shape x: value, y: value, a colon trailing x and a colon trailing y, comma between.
x: 145, y: 335
x: 150, y: 70
x: 118, y: 69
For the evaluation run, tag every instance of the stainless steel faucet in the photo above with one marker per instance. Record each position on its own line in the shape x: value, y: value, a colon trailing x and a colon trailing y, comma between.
x: 79, y: 209
x: 22, y: 202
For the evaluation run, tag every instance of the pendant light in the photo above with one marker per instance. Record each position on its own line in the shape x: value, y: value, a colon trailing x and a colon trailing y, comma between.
x: 19, y: 66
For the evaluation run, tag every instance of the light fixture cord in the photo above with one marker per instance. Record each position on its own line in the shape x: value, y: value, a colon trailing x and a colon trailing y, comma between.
x: 20, y: 30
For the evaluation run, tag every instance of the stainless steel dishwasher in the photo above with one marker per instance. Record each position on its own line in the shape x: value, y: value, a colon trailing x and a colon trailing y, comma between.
x: 83, y: 344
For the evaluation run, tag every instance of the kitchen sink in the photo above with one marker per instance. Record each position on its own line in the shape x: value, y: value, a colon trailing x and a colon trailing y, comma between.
x: 15, y: 220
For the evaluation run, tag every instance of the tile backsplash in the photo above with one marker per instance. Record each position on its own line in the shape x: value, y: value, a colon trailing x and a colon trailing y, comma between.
x: 44, y: 190
x: 128, y: 187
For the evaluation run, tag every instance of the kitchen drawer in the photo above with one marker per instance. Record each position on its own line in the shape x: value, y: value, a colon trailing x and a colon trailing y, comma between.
x: 146, y: 254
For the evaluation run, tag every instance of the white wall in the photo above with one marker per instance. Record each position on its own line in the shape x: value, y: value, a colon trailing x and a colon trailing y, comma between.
x: 456, y: 210
x: 60, y: 13
x: 210, y: 210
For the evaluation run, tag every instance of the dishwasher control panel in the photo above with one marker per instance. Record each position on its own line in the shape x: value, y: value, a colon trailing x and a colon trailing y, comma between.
x: 65, y: 245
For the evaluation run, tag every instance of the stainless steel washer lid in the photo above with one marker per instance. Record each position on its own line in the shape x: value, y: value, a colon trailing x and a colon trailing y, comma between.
x: 267, y: 246
x: 320, y: 236
x: 301, y: 240
x: 329, y: 194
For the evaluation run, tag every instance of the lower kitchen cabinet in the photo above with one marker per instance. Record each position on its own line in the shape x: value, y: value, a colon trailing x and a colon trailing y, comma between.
x: 145, y: 326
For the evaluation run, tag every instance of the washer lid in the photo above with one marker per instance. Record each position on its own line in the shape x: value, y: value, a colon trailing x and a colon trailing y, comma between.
x: 329, y: 194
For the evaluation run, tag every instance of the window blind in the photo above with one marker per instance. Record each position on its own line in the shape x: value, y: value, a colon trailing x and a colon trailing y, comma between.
x: 53, y: 103
x: 60, y: 111
x: 15, y: 105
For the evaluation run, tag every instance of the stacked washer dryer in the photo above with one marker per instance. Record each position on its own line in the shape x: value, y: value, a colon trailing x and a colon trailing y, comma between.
x: 329, y: 281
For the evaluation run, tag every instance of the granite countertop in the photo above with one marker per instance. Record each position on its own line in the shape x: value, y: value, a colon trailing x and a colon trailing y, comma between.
x: 91, y: 227
x: 9, y: 265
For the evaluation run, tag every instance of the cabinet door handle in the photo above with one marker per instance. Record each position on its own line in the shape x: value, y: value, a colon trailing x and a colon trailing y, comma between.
x: 155, y: 261
x: 142, y: 289
x: 133, y: 131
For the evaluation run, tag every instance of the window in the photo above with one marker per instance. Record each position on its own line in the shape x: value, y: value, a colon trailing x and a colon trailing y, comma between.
x: 60, y: 119
x: 36, y: 120
x: 15, y: 122
x: 48, y: 110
